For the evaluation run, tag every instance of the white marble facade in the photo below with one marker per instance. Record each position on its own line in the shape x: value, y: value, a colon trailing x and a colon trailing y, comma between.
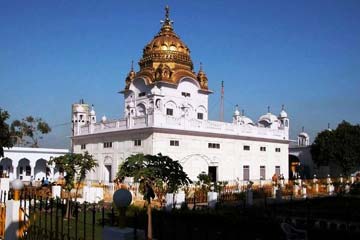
x: 169, y: 114
x: 241, y: 149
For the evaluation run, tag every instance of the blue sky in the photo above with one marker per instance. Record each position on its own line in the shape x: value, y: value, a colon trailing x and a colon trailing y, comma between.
x: 304, y: 54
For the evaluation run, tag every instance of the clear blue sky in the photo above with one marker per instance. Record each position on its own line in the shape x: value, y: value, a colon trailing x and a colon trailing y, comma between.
x: 304, y: 54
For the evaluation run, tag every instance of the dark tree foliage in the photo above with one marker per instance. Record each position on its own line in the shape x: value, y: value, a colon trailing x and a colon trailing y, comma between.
x: 5, y: 134
x: 29, y: 131
x: 340, y: 147
x: 75, y: 166
x: 157, y: 168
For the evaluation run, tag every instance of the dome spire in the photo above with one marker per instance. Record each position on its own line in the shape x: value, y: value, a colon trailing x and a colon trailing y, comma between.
x: 202, y: 78
x: 167, y: 22
x: 130, y: 76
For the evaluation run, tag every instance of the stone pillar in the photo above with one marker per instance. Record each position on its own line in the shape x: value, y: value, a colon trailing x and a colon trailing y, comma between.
x: 169, y: 199
x: 12, y: 219
x: 32, y: 167
x: 212, y: 199
x: 13, y: 175
x: 56, y: 191
x: 180, y: 199
x: 51, y: 174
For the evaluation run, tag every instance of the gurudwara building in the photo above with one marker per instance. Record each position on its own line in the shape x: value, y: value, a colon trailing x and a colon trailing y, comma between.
x: 166, y: 111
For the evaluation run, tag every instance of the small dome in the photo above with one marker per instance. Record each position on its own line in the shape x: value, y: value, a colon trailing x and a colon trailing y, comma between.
x: 103, y: 119
x: 269, y: 118
x: 92, y: 112
x: 304, y: 135
x: 283, y: 114
x: 236, y: 112
x: 246, y: 120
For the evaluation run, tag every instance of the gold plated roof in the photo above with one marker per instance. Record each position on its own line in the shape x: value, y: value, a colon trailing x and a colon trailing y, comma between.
x: 166, y: 58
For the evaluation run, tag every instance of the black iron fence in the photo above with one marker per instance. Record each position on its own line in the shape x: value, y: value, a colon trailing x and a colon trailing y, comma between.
x: 43, y: 217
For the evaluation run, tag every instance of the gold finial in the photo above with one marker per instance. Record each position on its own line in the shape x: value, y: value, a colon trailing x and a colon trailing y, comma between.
x: 167, y: 9
x: 268, y: 109
x: 132, y: 65
x: 167, y: 21
x: 282, y: 107
x: 201, y: 66
x: 302, y: 129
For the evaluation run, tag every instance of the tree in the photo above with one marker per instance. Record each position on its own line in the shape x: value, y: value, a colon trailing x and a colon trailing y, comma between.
x: 75, y: 166
x: 29, y: 130
x: 340, y: 147
x: 5, y: 134
x: 153, y: 169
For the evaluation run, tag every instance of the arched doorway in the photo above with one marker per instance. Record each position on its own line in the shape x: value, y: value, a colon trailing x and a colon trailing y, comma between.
x: 41, y: 169
x: 195, y: 164
x: 23, y: 170
x: 107, y: 170
x: 294, y: 165
x: 6, y: 168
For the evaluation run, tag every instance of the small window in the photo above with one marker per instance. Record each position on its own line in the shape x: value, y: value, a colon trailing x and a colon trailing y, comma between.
x: 174, y: 143
x: 142, y: 94
x: 246, y: 148
x: 246, y: 173
x: 214, y: 145
x: 185, y: 94
x: 277, y: 170
x: 137, y: 142
x: 277, y: 149
x: 200, y: 116
x: 83, y: 146
x: 169, y: 111
x: 107, y: 144
x: 262, y: 149
x: 262, y: 172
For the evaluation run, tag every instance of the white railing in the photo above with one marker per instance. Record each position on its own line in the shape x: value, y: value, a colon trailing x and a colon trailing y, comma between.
x: 185, y: 124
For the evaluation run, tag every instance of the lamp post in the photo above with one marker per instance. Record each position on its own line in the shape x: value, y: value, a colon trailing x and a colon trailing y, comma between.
x: 122, y: 199
x: 17, y: 185
x: 13, y: 215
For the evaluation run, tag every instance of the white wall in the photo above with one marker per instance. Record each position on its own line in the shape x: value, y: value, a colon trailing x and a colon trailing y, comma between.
x: 36, y: 158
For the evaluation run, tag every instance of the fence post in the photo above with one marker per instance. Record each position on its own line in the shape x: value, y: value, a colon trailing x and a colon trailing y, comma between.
x: 76, y: 220
x: 13, y: 212
x: 84, y: 211
x: 93, y: 221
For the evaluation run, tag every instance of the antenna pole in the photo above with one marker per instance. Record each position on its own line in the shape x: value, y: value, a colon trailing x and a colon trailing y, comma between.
x: 222, y: 102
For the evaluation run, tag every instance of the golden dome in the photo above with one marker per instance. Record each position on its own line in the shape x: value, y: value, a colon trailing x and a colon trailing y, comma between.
x: 166, y: 58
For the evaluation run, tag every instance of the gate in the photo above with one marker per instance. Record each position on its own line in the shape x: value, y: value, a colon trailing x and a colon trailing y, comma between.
x: 2, y: 220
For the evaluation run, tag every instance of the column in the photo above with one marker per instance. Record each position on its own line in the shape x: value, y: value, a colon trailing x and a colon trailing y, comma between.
x: 32, y: 167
